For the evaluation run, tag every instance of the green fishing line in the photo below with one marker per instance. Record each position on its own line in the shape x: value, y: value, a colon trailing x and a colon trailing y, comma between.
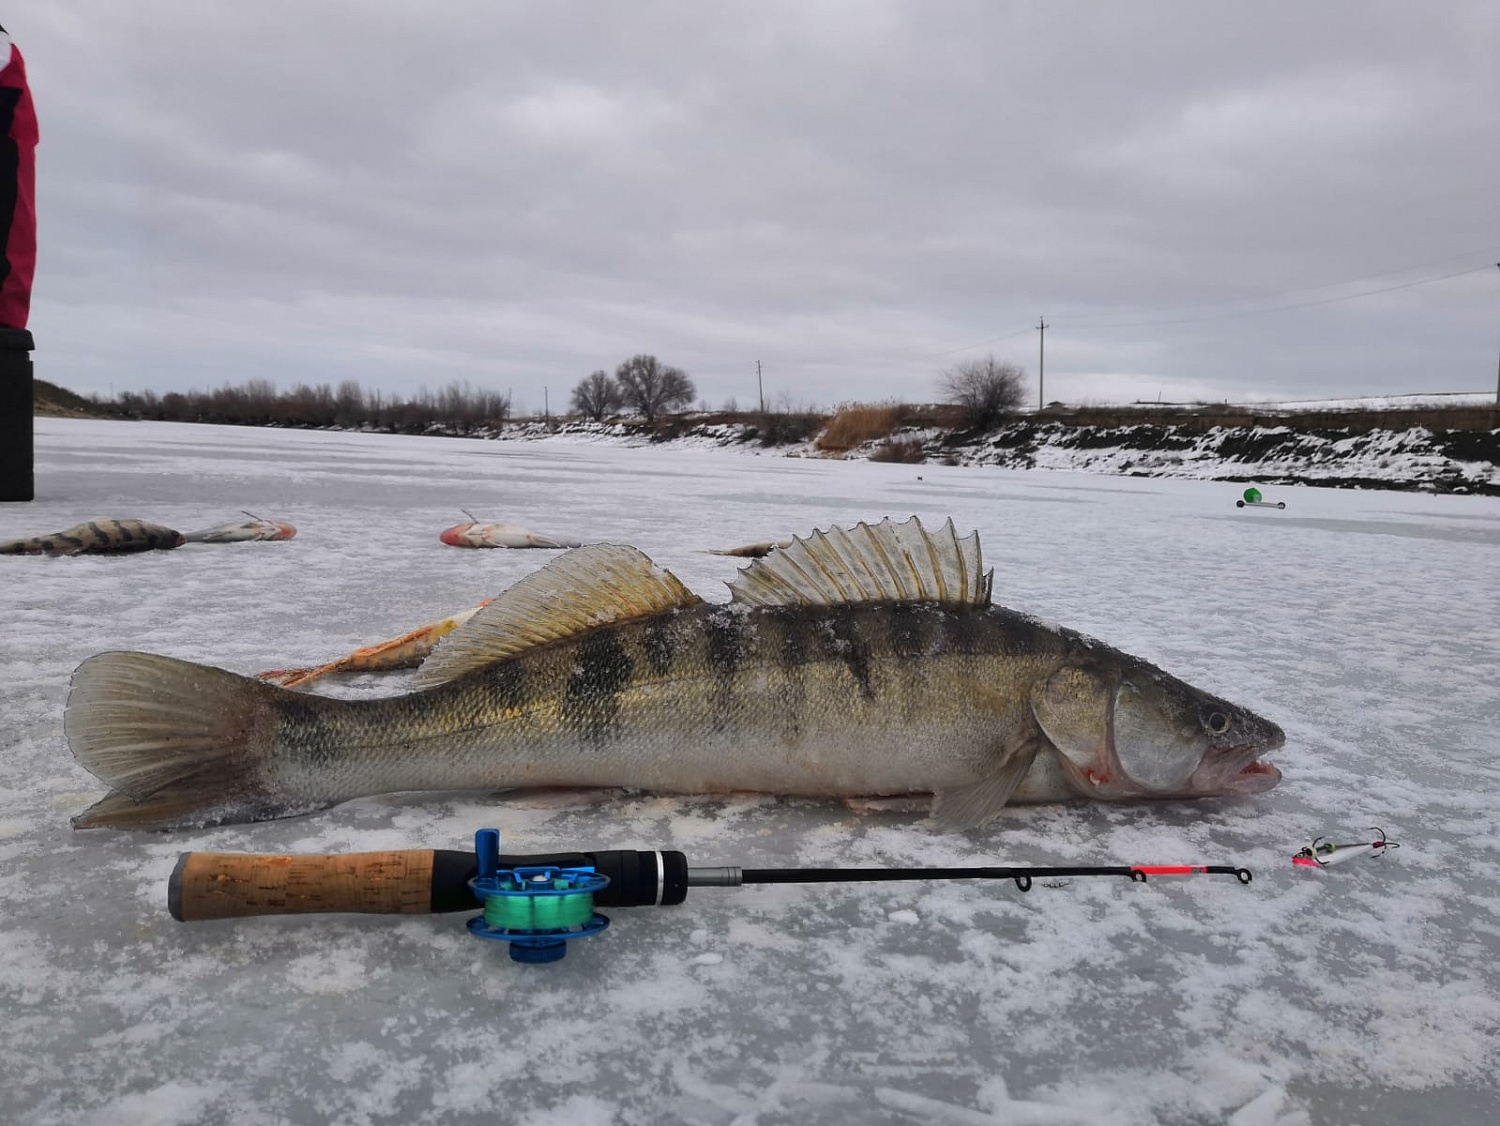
x: 538, y: 905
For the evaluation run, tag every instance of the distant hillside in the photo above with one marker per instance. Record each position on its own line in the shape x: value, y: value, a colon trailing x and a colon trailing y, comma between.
x: 1451, y: 451
x: 58, y: 402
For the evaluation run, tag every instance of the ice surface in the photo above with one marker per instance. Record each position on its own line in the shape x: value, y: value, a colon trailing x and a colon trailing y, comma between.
x: 1366, y: 623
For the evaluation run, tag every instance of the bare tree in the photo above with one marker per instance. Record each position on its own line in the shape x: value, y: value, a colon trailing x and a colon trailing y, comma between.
x: 596, y: 395
x: 349, y: 403
x: 986, y: 389
x: 652, y: 387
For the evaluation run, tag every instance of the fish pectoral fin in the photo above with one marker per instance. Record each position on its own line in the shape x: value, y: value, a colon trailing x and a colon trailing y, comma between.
x: 1073, y: 708
x: 968, y: 807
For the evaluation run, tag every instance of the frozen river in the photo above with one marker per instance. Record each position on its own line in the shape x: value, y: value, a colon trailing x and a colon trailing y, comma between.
x: 1367, y: 624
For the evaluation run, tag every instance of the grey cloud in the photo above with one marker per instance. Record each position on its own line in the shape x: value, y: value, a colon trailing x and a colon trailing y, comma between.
x: 518, y: 194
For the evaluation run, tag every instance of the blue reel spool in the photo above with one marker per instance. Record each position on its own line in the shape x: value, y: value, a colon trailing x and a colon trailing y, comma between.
x: 534, y: 909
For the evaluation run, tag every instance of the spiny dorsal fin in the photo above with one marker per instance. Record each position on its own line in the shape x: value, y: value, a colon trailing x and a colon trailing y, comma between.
x: 883, y: 562
x: 597, y: 585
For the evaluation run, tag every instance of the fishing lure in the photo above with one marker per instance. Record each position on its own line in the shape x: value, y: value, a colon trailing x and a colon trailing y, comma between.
x: 1323, y: 853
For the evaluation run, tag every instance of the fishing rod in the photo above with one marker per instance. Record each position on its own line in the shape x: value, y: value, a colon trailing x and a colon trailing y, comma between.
x: 536, y: 904
x: 1323, y: 853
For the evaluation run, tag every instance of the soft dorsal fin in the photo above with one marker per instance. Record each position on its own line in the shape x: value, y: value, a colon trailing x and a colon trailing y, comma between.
x: 883, y: 562
x: 598, y: 585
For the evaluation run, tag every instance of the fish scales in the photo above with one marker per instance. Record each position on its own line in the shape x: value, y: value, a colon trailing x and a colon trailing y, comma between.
x: 98, y: 537
x: 824, y: 677
x: 711, y: 699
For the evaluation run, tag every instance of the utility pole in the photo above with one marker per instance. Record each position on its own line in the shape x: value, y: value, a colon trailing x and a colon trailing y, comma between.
x: 1497, y: 376
x: 1041, y: 363
x: 546, y: 406
x: 760, y: 388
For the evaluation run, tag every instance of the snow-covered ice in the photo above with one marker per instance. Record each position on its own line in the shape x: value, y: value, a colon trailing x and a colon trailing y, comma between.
x: 1366, y: 623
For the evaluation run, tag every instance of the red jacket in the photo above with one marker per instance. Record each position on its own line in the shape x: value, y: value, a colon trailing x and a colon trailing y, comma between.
x: 18, y: 137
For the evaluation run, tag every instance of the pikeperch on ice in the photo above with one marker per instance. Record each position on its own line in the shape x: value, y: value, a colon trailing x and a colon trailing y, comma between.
x: 854, y: 663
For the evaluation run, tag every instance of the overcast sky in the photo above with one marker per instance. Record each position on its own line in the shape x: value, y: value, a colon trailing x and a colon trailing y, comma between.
x: 856, y: 194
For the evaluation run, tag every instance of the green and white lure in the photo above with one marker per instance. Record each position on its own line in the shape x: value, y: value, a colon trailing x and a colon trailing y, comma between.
x: 1323, y: 853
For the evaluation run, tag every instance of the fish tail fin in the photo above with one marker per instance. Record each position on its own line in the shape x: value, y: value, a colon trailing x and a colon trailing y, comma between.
x: 180, y: 745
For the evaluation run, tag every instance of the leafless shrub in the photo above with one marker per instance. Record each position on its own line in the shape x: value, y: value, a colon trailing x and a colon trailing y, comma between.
x: 458, y: 408
x: 651, y: 387
x: 775, y: 428
x: 906, y: 451
x: 596, y: 395
x: 986, y: 389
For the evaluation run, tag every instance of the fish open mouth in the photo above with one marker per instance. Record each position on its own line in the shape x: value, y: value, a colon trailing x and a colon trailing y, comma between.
x: 1235, y: 772
x: 1258, y: 775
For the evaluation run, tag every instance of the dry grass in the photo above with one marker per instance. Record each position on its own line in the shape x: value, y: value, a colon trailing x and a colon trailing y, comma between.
x: 860, y: 423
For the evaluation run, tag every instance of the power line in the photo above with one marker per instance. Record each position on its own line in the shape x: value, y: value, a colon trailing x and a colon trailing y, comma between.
x: 1279, y: 294
x: 1097, y: 325
x: 982, y: 343
x: 1101, y: 325
x: 1275, y: 308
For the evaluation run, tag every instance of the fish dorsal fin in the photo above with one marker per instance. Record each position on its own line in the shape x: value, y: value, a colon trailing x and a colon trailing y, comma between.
x: 598, y: 585
x: 869, y: 563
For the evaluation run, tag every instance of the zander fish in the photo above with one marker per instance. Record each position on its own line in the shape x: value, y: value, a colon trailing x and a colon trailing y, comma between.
x: 852, y: 664
x: 255, y: 528
x: 98, y: 537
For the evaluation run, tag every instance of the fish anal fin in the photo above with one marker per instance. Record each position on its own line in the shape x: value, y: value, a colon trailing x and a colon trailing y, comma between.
x: 968, y: 807
x: 869, y: 563
x: 597, y: 585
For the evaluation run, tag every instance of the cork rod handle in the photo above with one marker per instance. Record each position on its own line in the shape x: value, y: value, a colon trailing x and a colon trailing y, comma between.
x: 226, y: 885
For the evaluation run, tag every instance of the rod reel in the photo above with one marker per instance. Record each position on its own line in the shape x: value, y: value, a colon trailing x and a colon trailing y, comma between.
x: 538, y: 904
x: 536, y: 908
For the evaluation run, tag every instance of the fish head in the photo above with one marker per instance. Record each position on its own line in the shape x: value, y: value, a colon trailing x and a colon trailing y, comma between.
x: 274, y: 530
x: 1129, y: 730
x: 460, y: 535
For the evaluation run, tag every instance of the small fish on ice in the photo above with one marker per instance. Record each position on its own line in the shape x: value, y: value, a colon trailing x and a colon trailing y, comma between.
x: 99, y: 537
x: 255, y: 528
x: 479, y: 533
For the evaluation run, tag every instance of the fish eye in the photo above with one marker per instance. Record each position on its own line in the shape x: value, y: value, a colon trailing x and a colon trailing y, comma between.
x: 1216, y: 722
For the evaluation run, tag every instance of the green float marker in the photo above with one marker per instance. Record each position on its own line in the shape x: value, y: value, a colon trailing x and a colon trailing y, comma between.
x: 1252, y: 498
